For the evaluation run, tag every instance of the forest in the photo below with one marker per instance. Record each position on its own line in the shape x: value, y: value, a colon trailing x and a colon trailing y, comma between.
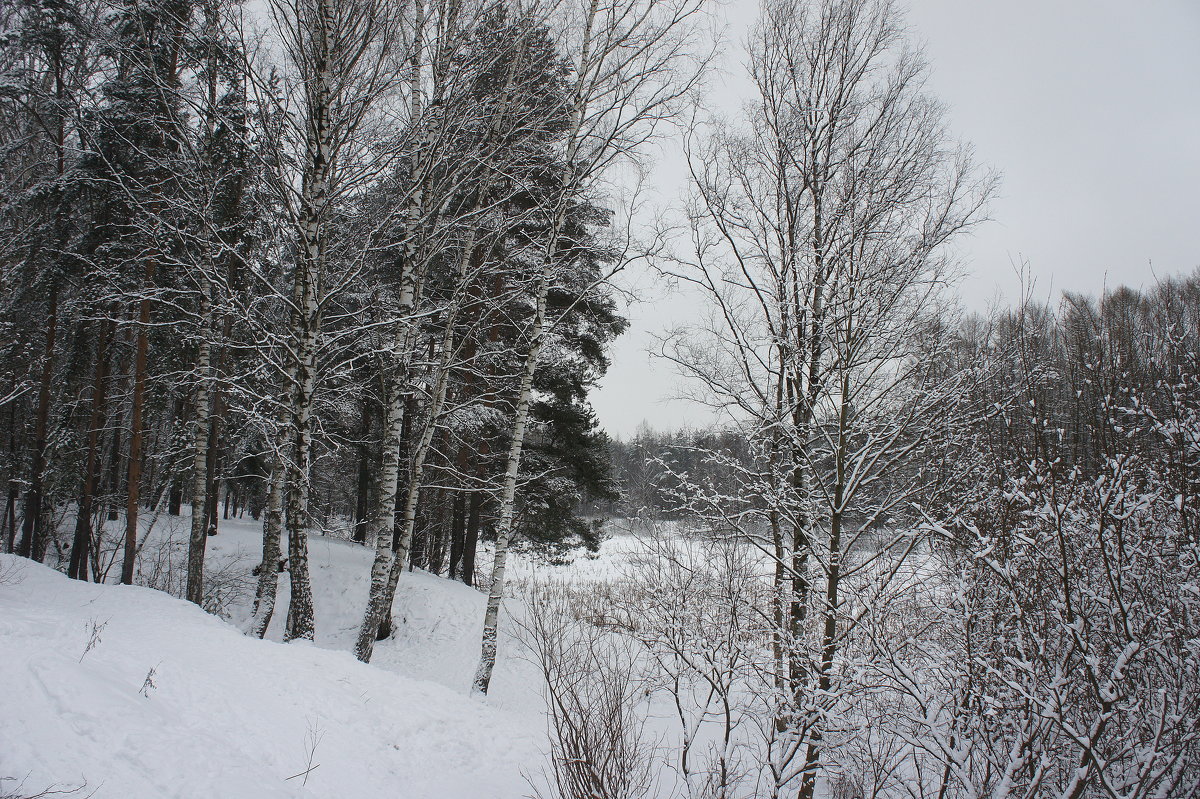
x: 302, y: 303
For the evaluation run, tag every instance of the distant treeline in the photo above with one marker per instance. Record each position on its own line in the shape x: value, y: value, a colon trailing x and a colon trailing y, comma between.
x: 1072, y: 385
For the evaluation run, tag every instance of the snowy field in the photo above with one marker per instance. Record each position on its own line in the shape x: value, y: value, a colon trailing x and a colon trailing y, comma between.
x: 132, y: 693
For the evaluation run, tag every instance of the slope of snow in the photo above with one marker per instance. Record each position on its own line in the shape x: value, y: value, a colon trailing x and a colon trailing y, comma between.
x: 230, y: 716
x: 438, y: 621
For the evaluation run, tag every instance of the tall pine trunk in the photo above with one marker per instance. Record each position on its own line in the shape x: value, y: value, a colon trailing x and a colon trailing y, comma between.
x: 471, y: 535
x: 32, y: 544
x: 136, y: 431
x: 81, y: 548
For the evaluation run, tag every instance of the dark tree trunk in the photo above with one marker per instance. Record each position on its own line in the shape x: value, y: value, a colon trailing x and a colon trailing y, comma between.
x: 14, y: 492
x: 32, y: 543
x: 212, y: 462
x: 113, y: 481
x: 81, y: 549
x: 458, y: 530
x: 363, y: 494
x: 175, y: 498
x: 136, y: 432
x: 471, y: 542
x: 10, y: 519
x: 438, y: 535
x: 114, y: 476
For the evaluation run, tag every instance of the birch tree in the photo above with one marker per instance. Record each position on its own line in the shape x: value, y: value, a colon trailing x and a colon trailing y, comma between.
x: 819, y: 233
x: 490, y: 88
x: 343, y: 62
x: 631, y: 62
x: 218, y: 180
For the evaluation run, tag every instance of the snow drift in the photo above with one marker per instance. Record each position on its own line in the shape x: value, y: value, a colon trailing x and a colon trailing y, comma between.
x: 133, y: 693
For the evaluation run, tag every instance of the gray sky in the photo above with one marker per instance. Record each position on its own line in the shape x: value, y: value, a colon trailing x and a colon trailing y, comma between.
x: 1090, y: 109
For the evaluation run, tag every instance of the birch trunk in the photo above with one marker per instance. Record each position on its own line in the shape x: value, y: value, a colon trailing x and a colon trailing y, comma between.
x: 268, y: 576
x: 300, y: 619
x: 585, y: 90
x: 384, y: 518
x: 200, y: 439
x: 306, y: 312
x: 385, y: 571
x: 391, y: 552
x: 487, y: 659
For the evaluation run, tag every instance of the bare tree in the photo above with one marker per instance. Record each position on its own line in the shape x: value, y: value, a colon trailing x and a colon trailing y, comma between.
x: 818, y: 234
x: 1051, y: 659
x: 451, y: 204
x: 343, y: 61
x: 692, y: 604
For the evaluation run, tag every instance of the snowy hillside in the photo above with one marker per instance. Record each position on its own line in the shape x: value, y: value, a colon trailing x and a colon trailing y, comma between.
x: 136, y: 694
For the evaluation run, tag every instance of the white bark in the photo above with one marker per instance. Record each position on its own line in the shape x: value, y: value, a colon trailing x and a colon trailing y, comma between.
x: 392, y: 553
x: 384, y: 583
x: 828, y: 207
x: 504, y: 526
x: 201, y: 410
x: 384, y: 517
x: 304, y: 332
x: 268, y: 577
x: 624, y: 84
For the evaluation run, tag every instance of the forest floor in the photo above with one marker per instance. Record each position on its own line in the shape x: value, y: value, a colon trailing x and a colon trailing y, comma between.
x: 127, y: 692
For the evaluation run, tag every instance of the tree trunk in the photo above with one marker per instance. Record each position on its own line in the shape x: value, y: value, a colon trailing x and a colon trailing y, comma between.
x: 81, y: 549
x: 200, y: 458
x: 383, y: 519
x: 458, y: 534
x: 504, y: 529
x: 212, y: 464
x: 114, y: 472
x: 136, y: 433
x: 14, y: 491
x: 363, y: 484
x: 437, y: 536
x: 471, y: 544
x: 10, y: 519
x: 300, y: 619
x: 268, y: 575
x: 385, y: 571
x: 32, y: 544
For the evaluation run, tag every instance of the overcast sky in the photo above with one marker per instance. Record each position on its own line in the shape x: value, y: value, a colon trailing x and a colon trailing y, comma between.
x: 1090, y: 109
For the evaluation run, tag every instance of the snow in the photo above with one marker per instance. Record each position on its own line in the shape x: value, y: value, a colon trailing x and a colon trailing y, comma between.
x: 231, y: 716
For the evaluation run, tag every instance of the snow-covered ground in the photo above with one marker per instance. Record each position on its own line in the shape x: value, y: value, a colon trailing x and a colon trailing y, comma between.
x: 170, y: 701
x: 130, y: 693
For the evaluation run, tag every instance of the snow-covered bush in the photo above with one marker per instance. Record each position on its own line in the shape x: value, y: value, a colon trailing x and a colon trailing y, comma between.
x: 596, y: 701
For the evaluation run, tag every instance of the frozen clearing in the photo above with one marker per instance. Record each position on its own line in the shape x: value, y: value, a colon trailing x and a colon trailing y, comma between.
x: 231, y: 716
